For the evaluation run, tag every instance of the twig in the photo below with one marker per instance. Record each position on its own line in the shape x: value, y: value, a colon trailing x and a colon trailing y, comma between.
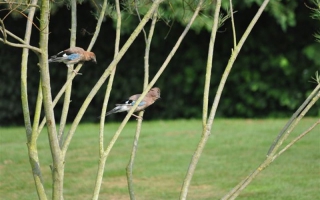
x: 296, y: 139
x: 13, y: 35
x: 34, y: 49
x: 138, y: 14
x: 21, y: 4
x: 233, y: 27
x: 3, y: 30
x: 23, y: 44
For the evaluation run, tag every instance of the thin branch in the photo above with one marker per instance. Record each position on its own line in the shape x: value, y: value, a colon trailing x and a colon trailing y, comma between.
x: 34, y: 49
x: 3, y: 30
x: 67, y: 95
x: 208, y: 125
x: 206, y: 133
x: 297, y: 139
x: 232, y: 59
x: 24, y: 15
x: 98, y: 26
x: 209, y: 64
x: 10, y: 11
x: 59, y: 95
x: 234, y: 56
x: 139, y: 123
x: 244, y: 183
x: 288, y: 129
x: 22, y: 4
x: 31, y: 132
x: 129, y: 168
x: 138, y: 14
x: 23, y: 44
x: 276, y: 143
x: 6, y: 32
x: 100, y: 82
x: 102, y: 159
x: 233, y: 27
x: 32, y: 148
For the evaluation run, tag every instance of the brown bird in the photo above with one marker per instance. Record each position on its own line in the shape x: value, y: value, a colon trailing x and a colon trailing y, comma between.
x: 149, y: 99
x: 73, y: 55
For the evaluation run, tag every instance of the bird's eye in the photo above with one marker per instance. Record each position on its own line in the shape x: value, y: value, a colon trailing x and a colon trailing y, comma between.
x: 129, y: 102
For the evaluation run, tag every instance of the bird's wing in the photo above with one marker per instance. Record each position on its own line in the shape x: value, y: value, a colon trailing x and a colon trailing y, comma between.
x: 73, y: 56
x: 73, y: 50
x: 120, y: 108
x: 130, y: 102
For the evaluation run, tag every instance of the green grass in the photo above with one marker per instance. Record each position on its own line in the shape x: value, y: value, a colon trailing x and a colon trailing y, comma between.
x: 235, y: 148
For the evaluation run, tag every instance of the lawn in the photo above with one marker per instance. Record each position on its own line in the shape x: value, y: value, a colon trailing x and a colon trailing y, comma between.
x: 235, y: 148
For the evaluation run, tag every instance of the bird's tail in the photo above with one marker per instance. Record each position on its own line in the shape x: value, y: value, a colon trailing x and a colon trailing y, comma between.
x: 115, y: 110
x: 56, y: 59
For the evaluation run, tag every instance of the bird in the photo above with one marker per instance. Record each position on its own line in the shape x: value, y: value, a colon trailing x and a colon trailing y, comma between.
x: 149, y: 99
x: 73, y: 55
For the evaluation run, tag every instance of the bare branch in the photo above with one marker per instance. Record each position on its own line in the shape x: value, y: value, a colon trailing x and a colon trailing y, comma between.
x: 276, y: 144
x: 206, y: 132
x: 103, y: 157
x: 245, y: 182
x: 3, y: 31
x: 138, y: 14
x: 34, y: 49
x: 297, y: 139
x: 233, y: 27
x: 67, y: 96
x: 139, y: 123
x: 28, y: 5
x: 31, y: 132
x: 22, y: 43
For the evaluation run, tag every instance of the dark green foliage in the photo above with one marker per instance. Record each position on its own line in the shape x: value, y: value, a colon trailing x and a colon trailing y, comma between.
x: 270, y: 78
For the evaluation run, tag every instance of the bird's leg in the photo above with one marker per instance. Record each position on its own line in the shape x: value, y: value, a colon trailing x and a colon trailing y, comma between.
x: 75, y: 71
x: 138, y: 117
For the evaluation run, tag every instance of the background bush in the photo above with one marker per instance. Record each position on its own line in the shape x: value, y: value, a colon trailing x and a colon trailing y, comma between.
x: 270, y: 78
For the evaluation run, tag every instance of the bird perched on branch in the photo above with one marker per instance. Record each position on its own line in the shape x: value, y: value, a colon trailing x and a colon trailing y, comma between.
x: 73, y: 55
x: 149, y: 99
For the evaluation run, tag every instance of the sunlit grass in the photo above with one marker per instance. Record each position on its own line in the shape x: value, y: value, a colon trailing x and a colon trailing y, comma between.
x: 235, y: 148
